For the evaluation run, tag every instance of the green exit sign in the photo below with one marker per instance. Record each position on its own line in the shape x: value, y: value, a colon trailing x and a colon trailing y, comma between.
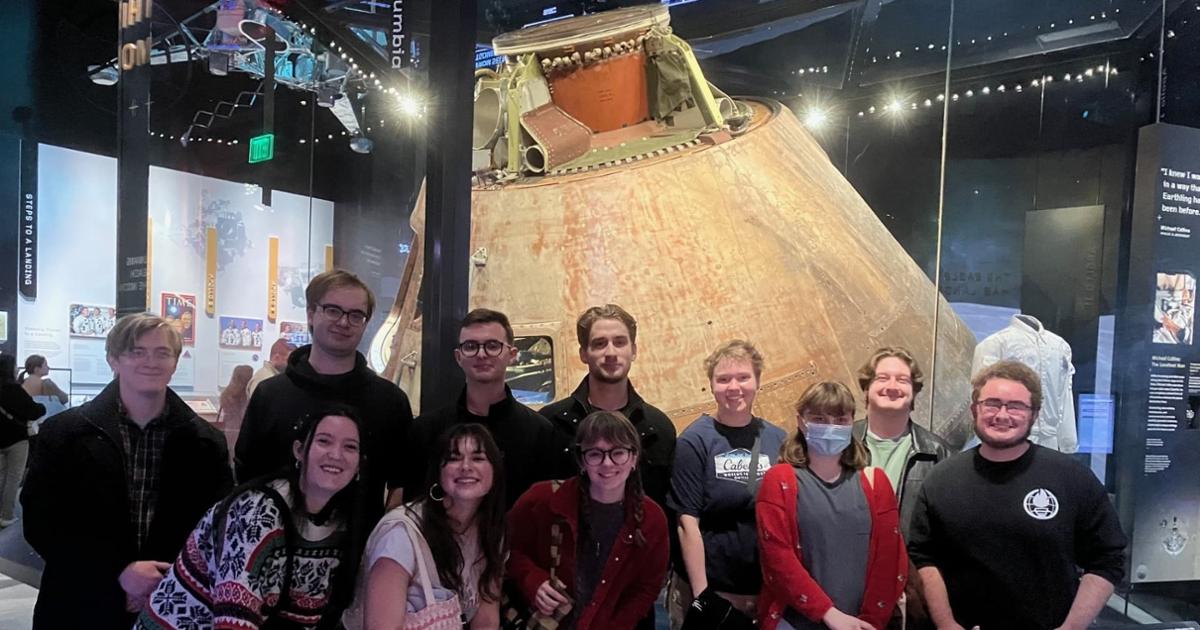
x: 262, y: 148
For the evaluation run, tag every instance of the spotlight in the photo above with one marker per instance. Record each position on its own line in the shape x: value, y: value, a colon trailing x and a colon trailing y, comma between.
x: 408, y: 105
x: 816, y: 119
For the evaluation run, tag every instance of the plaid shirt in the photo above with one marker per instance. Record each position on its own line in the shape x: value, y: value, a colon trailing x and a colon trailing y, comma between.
x: 143, y: 462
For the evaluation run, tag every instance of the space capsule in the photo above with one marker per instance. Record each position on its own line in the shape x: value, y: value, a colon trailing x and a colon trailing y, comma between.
x: 610, y: 170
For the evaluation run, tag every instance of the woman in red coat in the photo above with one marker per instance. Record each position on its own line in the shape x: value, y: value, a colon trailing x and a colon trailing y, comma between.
x: 828, y: 527
x: 611, y: 540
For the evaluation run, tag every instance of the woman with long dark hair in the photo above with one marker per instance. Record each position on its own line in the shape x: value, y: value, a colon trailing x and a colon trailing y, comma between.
x: 447, y: 545
x: 591, y: 551
x: 828, y: 526
x: 35, y: 378
x: 281, y: 551
x: 17, y: 410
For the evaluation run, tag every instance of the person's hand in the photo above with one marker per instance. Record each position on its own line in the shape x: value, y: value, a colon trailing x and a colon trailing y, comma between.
x: 548, y: 599
x: 140, y: 577
x: 838, y: 620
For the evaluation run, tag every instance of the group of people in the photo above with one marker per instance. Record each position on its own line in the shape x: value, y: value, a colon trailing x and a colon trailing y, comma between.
x: 488, y: 514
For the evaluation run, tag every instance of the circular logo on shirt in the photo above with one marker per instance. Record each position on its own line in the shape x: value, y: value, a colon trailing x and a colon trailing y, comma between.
x: 1041, y: 504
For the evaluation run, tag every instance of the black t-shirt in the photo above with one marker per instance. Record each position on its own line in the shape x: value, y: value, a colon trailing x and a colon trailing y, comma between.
x: 712, y: 465
x: 604, y: 522
x: 1010, y: 537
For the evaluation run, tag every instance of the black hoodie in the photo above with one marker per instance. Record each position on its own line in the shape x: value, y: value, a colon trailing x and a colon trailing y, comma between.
x: 265, y: 443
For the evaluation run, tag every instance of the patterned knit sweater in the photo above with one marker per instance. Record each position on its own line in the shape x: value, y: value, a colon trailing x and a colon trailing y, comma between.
x: 241, y: 588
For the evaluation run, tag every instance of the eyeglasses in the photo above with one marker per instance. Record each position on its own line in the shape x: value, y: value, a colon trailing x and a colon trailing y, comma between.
x: 491, y: 348
x: 334, y: 313
x: 1016, y: 408
x: 595, y: 456
x: 141, y: 354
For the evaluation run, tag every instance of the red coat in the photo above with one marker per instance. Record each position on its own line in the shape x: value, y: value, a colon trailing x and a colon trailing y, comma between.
x: 631, y: 578
x: 786, y: 583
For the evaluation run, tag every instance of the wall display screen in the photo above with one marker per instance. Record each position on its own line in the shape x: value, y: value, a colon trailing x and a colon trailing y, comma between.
x: 1161, y: 361
x: 77, y: 226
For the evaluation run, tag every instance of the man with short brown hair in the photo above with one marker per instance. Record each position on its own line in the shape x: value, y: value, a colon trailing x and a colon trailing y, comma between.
x: 330, y: 370
x: 608, y: 346
x: 485, y: 350
x: 1000, y: 532
x: 905, y: 450
x: 117, y: 484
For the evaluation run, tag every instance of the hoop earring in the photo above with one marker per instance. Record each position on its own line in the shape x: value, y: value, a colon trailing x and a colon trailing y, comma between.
x: 297, y: 464
x: 437, y: 487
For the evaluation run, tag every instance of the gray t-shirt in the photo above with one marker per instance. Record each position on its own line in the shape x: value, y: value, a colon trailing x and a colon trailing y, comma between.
x: 835, y: 536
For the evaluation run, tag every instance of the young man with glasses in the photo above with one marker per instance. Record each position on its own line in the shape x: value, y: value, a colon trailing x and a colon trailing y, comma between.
x: 330, y: 370
x: 484, y: 352
x: 1001, y: 532
x: 117, y: 484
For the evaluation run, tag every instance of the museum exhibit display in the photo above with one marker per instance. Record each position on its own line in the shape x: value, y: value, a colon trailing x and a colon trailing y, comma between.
x: 706, y: 217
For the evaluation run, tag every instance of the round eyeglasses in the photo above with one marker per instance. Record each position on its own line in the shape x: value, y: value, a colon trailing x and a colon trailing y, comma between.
x: 595, y: 456
x: 491, y: 347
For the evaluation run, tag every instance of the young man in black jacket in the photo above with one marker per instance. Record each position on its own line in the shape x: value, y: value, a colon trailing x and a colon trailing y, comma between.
x: 608, y: 346
x: 330, y: 370
x: 117, y: 484
x: 485, y: 350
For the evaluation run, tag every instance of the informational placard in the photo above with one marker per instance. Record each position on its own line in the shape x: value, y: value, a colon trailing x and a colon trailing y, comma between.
x: 1159, y: 440
x: 185, y: 370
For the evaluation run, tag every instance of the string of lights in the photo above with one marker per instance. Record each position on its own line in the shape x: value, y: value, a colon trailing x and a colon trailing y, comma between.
x: 899, y: 104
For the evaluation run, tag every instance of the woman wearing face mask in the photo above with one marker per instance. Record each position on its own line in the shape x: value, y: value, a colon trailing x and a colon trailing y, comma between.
x: 828, y: 526
x: 281, y: 551
x: 592, y: 550
x: 448, y: 545
x: 719, y: 462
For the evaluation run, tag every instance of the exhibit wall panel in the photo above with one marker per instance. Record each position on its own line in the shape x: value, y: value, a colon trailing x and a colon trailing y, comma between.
x: 182, y: 208
x: 77, y: 235
x: 190, y: 216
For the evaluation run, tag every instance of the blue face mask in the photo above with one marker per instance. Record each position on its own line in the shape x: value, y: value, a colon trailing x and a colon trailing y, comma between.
x: 827, y: 439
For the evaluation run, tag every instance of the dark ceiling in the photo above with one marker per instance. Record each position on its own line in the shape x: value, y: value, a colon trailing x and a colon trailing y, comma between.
x: 854, y: 52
